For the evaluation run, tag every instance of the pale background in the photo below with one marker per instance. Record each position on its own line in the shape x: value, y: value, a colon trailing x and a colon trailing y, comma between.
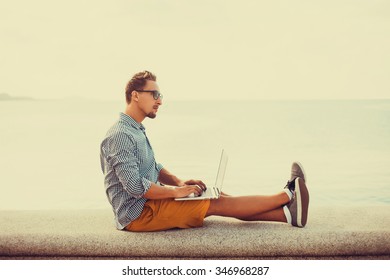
x: 333, y: 49
x: 75, y: 57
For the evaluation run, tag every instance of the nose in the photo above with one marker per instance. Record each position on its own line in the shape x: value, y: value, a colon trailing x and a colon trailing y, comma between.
x: 159, y: 101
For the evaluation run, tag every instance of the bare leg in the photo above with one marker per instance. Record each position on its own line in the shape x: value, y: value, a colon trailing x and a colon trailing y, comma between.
x: 276, y: 215
x: 250, y: 208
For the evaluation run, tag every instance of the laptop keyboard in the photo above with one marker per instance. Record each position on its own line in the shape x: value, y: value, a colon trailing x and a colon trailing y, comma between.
x: 211, y: 192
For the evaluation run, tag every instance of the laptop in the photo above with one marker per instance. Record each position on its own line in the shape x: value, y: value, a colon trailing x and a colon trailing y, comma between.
x: 212, y: 192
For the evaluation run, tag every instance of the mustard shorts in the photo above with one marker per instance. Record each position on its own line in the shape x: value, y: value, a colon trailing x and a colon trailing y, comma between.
x: 163, y: 214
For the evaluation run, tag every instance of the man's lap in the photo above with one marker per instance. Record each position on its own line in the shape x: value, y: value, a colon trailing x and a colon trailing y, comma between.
x: 163, y: 214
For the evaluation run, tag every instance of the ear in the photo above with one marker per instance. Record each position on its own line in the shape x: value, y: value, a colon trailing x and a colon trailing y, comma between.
x: 134, y: 95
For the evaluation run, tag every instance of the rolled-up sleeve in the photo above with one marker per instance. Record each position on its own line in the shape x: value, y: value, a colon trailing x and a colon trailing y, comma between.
x: 121, y: 157
x: 159, y: 167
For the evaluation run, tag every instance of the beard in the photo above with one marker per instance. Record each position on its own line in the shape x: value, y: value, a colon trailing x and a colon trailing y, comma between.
x: 151, y: 115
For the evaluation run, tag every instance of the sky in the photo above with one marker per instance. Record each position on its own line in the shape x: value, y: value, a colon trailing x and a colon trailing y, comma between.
x: 215, y: 49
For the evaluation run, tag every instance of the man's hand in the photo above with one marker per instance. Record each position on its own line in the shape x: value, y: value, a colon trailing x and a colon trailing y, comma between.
x: 193, y: 182
x: 186, y: 190
x: 197, y: 187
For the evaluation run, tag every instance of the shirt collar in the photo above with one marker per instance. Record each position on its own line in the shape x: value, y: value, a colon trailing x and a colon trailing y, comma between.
x: 130, y: 121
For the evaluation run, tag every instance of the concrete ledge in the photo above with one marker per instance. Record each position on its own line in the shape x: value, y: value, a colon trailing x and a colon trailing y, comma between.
x: 331, y: 233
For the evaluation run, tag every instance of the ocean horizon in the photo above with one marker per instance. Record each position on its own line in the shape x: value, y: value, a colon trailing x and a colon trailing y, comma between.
x: 50, y: 148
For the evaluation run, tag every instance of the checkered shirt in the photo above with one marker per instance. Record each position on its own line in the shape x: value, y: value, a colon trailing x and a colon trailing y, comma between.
x: 128, y: 164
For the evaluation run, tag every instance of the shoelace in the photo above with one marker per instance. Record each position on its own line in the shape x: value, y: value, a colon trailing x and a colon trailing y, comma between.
x: 290, y: 185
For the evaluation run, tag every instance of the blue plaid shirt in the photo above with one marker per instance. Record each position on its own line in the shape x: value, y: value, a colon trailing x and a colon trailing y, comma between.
x: 127, y: 161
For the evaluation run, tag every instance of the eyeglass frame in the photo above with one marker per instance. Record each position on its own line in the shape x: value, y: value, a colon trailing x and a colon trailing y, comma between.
x: 154, y: 93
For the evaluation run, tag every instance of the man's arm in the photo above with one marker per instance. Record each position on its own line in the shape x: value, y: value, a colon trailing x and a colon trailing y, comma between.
x: 167, y: 178
x: 163, y: 192
x: 126, y: 168
x: 175, y: 187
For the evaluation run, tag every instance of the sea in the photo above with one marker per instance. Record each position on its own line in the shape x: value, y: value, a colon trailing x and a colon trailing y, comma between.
x: 49, y: 149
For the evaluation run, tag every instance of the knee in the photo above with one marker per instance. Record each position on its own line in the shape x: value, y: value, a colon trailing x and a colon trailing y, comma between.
x: 215, y: 206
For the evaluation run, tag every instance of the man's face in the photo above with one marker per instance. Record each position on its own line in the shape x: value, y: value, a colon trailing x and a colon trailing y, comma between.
x: 146, y: 101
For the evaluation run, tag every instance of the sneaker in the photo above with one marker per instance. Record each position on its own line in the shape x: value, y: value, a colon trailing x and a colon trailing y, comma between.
x: 299, y: 204
x: 297, y: 171
x: 291, y: 186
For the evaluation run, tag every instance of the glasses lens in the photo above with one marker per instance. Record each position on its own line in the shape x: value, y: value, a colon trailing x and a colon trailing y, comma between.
x: 157, y: 95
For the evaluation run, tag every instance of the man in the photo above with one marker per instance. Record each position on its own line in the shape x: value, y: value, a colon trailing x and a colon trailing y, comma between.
x: 142, y: 192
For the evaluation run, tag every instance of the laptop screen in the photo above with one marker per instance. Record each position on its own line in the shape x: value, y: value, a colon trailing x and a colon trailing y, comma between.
x: 221, y: 170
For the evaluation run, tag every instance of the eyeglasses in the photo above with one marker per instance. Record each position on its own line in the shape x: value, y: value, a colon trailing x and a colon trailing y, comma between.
x: 156, y: 93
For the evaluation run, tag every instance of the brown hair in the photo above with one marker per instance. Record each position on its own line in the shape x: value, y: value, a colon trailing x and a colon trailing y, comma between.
x: 138, y: 81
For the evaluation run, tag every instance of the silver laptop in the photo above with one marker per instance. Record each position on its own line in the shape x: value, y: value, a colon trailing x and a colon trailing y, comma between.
x: 212, y: 192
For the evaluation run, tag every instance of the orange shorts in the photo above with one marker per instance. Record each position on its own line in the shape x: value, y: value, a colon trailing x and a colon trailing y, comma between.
x: 163, y: 214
